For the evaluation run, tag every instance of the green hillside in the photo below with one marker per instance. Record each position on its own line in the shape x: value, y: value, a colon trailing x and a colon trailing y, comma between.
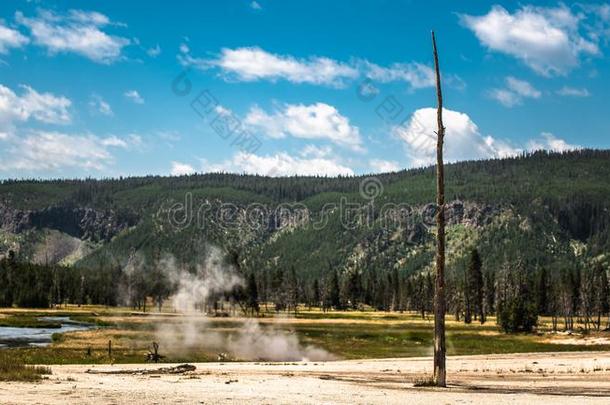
x: 566, y: 194
x: 543, y: 212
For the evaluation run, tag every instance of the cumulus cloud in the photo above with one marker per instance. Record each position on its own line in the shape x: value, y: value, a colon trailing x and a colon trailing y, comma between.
x: 77, y: 32
x: 116, y: 141
x: 548, y: 141
x: 522, y: 88
x: 51, y: 151
x: 181, y: 169
x: 10, y: 38
x: 280, y: 164
x: 573, y: 92
x: 514, y: 93
x: 463, y: 139
x: 255, y: 5
x: 314, y: 121
x: 134, y: 96
x: 254, y: 63
x: 550, y: 41
x: 44, y: 107
x: 316, y: 151
x: 505, y: 97
x: 98, y: 105
x: 154, y: 51
x: 417, y: 75
x: 384, y: 166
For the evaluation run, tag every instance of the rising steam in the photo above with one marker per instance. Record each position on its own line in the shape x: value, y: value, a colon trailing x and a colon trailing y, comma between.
x: 244, y: 339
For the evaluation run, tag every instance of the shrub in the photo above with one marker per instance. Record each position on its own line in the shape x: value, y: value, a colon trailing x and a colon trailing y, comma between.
x: 13, y: 369
x: 517, y: 316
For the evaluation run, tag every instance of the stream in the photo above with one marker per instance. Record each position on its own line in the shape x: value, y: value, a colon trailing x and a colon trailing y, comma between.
x: 11, y: 337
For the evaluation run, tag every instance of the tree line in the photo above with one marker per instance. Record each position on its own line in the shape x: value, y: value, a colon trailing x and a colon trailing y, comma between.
x: 515, y: 292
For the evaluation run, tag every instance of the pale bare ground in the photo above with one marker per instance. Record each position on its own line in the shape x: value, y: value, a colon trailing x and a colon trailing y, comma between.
x: 534, y: 378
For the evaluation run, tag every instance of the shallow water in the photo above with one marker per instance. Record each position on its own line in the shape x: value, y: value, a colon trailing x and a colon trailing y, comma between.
x: 32, y: 337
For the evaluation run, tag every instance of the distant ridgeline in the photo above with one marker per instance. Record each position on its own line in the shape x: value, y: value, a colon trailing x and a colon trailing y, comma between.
x: 542, y: 214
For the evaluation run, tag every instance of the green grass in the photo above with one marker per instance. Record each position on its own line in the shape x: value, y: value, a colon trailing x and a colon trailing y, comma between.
x: 26, y: 321
x: 347, y: 335
x: 359, y: 341
x: 49, y: 355
x: 11, y: 369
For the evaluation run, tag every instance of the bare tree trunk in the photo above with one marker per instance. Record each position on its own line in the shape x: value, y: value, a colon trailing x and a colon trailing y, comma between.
x: 439, y: 290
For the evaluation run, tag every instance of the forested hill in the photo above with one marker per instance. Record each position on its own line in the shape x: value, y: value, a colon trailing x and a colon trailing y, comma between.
x: 546, y: 208
x: 514, y: 180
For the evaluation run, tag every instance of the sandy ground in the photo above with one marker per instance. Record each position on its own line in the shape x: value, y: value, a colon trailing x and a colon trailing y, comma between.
x: 571, y: 378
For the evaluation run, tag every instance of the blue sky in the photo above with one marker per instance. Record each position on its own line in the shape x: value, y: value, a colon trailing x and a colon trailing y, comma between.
x: 316, y: 87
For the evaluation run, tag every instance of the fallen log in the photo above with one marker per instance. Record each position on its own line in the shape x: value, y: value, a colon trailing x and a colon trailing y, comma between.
x: 180, y: 369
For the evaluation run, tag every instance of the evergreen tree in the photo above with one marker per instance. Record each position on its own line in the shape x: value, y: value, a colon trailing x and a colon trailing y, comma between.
x: 354, y: 288
x: 334, y: 292
x: 602, y: 294
x: 516, y: 305
x: 252, y: 294
x: 292, y: 289
x: 543, y: 286
x: 316, y: 293
x: 475, y: 286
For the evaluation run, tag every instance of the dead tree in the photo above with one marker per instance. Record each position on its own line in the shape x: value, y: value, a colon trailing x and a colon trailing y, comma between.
x: 153, y: 354
x: 439, y: 290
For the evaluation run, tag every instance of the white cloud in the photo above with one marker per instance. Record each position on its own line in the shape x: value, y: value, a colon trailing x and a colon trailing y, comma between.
x: 43, y: 107
x: 573, y: 92
x: 184, y: 48
x: 505, y: 97
x: 51, y: 151
x: 134, y: 96
x: 367, y: 90
x: 98, y: 105
x: 10, y: 38
x: 522, y: 88
x: 114, y: 141
x: 384, y: 166
x: 316, y: 151
x: 463, y: 140
x: 416, y: 74
x: 315, y: 121
x: 135, y: 140
x: 548, y: 40
x: 222, y: 110
x: 280, y: 164
x: 181, y: 169
x: 255, y: 5
x: 169, y: 136
x: 514, y: 93
x: 548, y: 141
x: 254, y: 63
x: 77, y: 32
x: 154, y: 51
x: 250, y: 64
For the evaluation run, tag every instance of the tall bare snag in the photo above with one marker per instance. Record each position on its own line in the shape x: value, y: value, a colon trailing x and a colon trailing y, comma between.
x: 439, y: 288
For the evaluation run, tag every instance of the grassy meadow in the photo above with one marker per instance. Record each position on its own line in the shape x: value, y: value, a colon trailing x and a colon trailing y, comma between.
x: 346, y: 335
x: 13, y: 369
